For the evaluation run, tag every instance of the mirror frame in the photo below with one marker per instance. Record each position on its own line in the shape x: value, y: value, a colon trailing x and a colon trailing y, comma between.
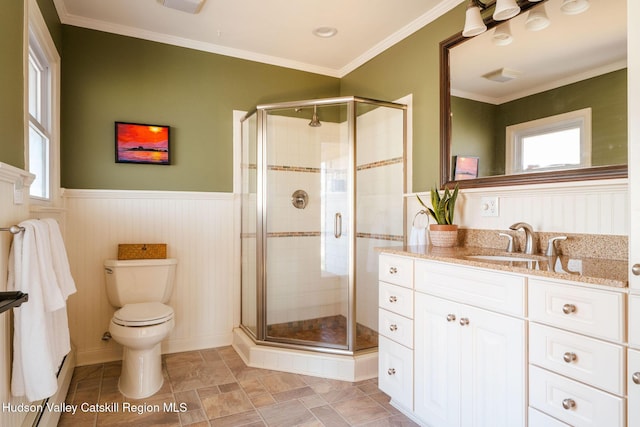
x: 584, y: 174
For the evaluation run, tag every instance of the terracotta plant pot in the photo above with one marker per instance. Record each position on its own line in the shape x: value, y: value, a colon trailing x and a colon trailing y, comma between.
x: 443, y: 235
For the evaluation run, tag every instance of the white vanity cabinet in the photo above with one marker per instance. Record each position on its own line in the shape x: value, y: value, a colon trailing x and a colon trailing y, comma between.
x: 577, y: 358
x: 395, y: 329
x: 469, y: 361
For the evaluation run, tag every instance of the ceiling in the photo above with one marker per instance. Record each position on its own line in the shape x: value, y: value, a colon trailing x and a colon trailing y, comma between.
x: 277, y: 32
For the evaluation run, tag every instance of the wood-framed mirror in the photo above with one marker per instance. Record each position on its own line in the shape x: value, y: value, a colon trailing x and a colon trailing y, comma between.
x: 490, y: 91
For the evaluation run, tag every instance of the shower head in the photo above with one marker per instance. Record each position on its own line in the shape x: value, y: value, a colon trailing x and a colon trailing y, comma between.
x: 315, y: 121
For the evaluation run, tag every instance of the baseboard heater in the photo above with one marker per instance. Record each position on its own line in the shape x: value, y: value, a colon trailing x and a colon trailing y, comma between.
x: 46, y: 418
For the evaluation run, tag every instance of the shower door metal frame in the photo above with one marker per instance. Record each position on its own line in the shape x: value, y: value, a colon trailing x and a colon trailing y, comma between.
x: 261, y: 219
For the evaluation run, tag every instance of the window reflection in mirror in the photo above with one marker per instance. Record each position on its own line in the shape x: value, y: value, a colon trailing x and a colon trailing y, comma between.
x: 539, y: 75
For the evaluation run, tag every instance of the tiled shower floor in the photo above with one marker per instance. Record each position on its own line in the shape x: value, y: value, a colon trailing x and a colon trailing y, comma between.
x: 331, y: 330
x: 214, y: 387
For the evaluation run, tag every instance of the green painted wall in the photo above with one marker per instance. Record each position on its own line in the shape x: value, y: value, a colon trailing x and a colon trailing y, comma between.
x: 476, y: 136
x: 108, y: 78
x: 50, y: 15
x: 412, y: 67
x: 11, y: 84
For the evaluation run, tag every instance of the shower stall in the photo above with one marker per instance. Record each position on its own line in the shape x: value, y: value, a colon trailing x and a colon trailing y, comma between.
x: 323, y: 185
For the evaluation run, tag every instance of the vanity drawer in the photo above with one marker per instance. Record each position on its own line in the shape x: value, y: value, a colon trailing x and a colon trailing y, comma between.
x: 396, y: 299
x: 396, y: 270
x: 501, y: 292
x: 585, y: 406
x: 395, y: 371
x: 585, y: 359
x: 396, y: 327
x: 589, y: 311
x: 540, y: 419
x: 634, y: 321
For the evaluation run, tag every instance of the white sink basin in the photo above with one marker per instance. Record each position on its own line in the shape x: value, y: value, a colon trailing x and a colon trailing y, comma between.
x: 500, y: 258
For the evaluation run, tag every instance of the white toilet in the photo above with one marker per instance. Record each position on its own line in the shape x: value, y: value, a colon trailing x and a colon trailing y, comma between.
x: 140, y: 288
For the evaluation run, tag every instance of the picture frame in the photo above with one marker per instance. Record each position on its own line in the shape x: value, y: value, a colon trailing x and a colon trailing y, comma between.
x: 465, y: 167
x: 142, y: 143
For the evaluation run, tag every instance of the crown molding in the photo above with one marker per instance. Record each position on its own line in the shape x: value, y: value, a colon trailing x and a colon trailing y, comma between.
x: 78, y: 21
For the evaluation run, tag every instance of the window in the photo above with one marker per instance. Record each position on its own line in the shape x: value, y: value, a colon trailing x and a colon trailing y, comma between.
x: 551, y: 143
x: 42, y: 87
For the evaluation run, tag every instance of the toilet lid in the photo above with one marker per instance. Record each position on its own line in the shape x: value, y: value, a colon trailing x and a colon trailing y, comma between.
x: 143, y: 314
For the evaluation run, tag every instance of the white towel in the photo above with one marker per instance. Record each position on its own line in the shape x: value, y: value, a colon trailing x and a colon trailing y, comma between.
x: 41, y: 331
x: 418, y: 234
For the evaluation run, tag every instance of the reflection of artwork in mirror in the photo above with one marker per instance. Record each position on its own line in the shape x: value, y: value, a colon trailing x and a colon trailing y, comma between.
x: 539, y: 75
x: 138, y: 143
x: 465, y: 167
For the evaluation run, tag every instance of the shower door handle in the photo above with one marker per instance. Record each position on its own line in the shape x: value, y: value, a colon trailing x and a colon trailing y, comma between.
x: 337, y: 225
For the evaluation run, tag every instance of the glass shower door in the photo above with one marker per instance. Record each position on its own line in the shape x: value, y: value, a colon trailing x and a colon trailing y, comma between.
x: 307, y: 227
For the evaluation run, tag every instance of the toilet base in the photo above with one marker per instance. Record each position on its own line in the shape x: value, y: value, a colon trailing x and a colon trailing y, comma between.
x: 141, y: 374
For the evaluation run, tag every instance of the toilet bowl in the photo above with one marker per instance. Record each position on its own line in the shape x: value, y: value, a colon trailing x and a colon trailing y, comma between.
x: 140, y: 288
x: 140, y: 328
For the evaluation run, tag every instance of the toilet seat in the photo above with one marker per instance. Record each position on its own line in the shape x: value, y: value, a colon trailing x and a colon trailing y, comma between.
x: 143, y: 314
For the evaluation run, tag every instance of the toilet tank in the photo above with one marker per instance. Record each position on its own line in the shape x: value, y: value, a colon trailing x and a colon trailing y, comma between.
x: 139, y: 280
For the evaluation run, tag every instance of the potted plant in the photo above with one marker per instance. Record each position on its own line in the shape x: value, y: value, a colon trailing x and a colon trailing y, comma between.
x: 444, y: 232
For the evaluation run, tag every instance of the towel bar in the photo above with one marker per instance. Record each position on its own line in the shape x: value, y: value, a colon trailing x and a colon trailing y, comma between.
x: 12, y: 299
x: 14, y: 229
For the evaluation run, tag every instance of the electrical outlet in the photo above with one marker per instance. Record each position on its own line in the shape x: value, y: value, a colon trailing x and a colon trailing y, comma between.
x: 489, y: 206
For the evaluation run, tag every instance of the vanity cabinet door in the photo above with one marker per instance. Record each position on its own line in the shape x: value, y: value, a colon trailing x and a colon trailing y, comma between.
x: 633, y: 405
x: 437, y: 361
x: 493, y: 369
x: 469, y: 365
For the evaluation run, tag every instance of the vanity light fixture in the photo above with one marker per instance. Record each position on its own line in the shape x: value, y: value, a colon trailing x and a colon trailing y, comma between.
x: 506, y: 9
x: 502, y: 34
x: 473, y: 23
x: 537, y: 19
x: 574, y: 7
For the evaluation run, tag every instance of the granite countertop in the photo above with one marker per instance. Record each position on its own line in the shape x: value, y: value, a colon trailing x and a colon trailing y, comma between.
x: 596, y: 271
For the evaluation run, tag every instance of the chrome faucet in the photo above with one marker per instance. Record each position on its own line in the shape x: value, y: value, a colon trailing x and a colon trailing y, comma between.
x: 528, y: 234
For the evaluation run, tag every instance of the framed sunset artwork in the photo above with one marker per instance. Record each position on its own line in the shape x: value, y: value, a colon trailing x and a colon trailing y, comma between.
x: 140, y: 143
x: 465, y: 167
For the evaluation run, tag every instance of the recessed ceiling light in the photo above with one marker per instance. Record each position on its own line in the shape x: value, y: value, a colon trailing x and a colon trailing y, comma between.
x: 325, y: 32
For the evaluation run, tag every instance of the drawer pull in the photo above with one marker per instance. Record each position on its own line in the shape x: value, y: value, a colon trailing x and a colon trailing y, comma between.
x: 568, y: 308
x: 570, y: 357
x: 464, y: 321
x: 451, y: 317
x: 391, y: 371
x: 636, y: 377
x: 393, y: 328
x: 568, y: 404
x: 393, y: 270
x: 393, y: 298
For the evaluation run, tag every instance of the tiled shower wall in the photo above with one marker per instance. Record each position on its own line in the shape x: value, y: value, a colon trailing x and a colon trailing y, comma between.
x: 307, y: 265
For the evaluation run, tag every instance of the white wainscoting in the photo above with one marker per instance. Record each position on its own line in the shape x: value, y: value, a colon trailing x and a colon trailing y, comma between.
x: 199, y: 230
x: 586, y: 207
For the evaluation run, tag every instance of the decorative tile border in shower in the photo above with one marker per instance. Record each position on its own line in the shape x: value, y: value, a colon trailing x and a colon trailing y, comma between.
x: 380, y: 163
x: 390, y: 237
x: 294, y: 234
x: 282, y: 168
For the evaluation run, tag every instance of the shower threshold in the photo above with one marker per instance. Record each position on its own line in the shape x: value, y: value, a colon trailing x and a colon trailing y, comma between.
x: 360, y: 366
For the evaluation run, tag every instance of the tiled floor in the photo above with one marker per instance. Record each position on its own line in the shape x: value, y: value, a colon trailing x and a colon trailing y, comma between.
x: 215, y: 388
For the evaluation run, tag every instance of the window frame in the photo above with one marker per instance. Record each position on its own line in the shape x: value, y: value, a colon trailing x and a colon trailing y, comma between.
x: 516, y: 133
x: 40, y: 45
